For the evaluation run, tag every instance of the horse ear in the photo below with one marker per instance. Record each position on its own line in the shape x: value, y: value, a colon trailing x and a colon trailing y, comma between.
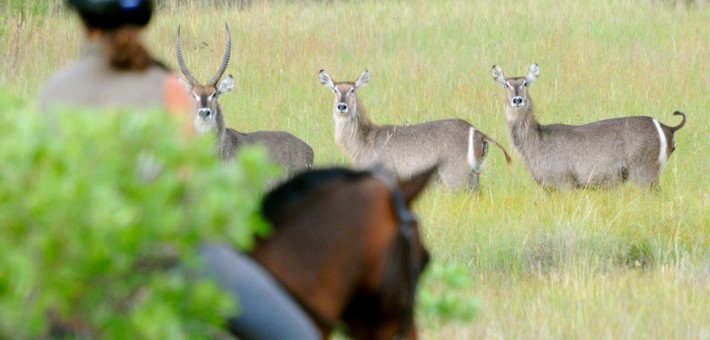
x: 413, y: 187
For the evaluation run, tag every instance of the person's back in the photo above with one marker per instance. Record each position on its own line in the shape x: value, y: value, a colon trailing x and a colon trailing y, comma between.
x: 115, y: 70
x: 92, y: 82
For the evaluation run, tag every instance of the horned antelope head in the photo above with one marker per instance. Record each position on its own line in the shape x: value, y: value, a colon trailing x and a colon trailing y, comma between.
x: 345, y: 100
x: 516, y: 87
x: 208, y: 116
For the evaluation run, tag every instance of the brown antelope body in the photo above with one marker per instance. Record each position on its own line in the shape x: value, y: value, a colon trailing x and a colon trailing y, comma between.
x: 284, y: 148
x: 455, y: 144
x: 600, y: 154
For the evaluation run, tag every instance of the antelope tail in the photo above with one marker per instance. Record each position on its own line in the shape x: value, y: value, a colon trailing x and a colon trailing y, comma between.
x: 507, y: 157
x: 682, y: 123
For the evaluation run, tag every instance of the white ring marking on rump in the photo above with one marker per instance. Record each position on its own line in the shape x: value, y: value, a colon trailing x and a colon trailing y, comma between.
x: 663, y: 153
x: 471, y: 156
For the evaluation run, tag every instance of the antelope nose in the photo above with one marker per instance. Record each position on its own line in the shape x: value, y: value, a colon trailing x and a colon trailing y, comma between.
x: 204, y: 113
x: 517, y: 101
x: 342, y: 107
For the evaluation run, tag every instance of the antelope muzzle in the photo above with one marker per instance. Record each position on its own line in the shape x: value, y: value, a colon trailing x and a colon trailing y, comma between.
x: 204, y: 113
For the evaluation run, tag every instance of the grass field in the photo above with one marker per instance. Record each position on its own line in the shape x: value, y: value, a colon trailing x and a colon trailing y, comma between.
x: 622, y: 263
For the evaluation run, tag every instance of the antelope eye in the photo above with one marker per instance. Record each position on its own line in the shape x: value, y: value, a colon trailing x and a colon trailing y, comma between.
x: 525, y: 84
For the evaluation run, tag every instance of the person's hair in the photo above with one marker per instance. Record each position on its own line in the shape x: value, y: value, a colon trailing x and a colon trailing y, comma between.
x: 125, y: 52
x: 120, y: 23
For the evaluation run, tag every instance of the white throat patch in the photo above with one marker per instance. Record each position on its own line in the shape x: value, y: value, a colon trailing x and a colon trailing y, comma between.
x: 204, y: 126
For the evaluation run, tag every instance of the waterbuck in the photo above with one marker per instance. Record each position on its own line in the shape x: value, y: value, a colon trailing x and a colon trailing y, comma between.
x: 406, y: 150
x: 600, y: 154
x: 284, y: 148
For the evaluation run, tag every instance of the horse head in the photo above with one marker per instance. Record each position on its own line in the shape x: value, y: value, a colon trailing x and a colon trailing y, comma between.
x: 384, y: 307
x: 347, y: 247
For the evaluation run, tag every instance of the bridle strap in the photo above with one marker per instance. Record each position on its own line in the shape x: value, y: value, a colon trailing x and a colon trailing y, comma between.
x: 404, y: 216
x: 406, y: 221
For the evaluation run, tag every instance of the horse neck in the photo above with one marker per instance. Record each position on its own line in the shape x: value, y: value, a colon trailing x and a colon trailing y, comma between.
x: 310, y: 262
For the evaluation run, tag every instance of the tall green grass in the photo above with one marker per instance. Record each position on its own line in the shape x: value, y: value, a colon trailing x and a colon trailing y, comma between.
x: 622, y: 263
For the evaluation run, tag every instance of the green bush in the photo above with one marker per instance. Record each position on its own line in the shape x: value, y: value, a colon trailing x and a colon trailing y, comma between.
x: 96, y: 208
x: 442, y: 294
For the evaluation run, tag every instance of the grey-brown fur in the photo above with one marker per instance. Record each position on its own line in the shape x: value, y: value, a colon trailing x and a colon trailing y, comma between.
x: 410, y: 149
x: 284, y: 148
x: 600, y: 154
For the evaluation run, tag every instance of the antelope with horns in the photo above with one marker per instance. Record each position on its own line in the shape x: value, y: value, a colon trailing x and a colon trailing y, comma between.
x: 600, y: 154
x: 456, y: 145
x: 284, y: 148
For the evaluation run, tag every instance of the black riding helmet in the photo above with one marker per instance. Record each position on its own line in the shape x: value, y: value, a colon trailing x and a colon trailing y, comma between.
x: 109, y: 14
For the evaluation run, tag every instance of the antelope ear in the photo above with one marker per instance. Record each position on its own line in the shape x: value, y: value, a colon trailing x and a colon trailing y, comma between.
x: 414, y: 186
x: 498, y: 75
x: 363, y: 80
x: 226, y: 85
x: 532, y: 74
x: 326, y: 80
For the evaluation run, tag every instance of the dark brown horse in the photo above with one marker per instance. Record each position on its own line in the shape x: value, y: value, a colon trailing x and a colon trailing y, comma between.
x: 345, y: 247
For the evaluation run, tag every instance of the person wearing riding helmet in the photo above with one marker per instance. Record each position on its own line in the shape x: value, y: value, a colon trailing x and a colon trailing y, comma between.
x: 115, y: 70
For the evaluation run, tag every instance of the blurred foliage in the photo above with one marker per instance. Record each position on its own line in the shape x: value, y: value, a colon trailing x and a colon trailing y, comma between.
x: 442, y: 293
x: 102, y: 212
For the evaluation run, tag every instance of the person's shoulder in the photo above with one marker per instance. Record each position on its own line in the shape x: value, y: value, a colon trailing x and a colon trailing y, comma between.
x: 76, y: 71
x: 57, y: 84
x: 64, y: 84
x: 158, y: 67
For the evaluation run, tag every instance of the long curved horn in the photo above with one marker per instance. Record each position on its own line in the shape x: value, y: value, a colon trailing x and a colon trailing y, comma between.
x: 225, y: 59
x: 190, y: 79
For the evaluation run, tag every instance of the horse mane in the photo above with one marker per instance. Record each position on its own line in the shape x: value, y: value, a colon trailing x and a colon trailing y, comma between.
x: 286, y: 196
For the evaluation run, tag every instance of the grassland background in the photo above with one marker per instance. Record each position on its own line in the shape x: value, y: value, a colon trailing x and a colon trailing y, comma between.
x: 622, y: 263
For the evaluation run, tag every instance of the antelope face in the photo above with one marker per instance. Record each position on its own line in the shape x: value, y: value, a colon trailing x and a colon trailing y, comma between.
x: 207, y: 107
x: 516, y: 87
x: 208, y: 116
x: 345, y: 99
